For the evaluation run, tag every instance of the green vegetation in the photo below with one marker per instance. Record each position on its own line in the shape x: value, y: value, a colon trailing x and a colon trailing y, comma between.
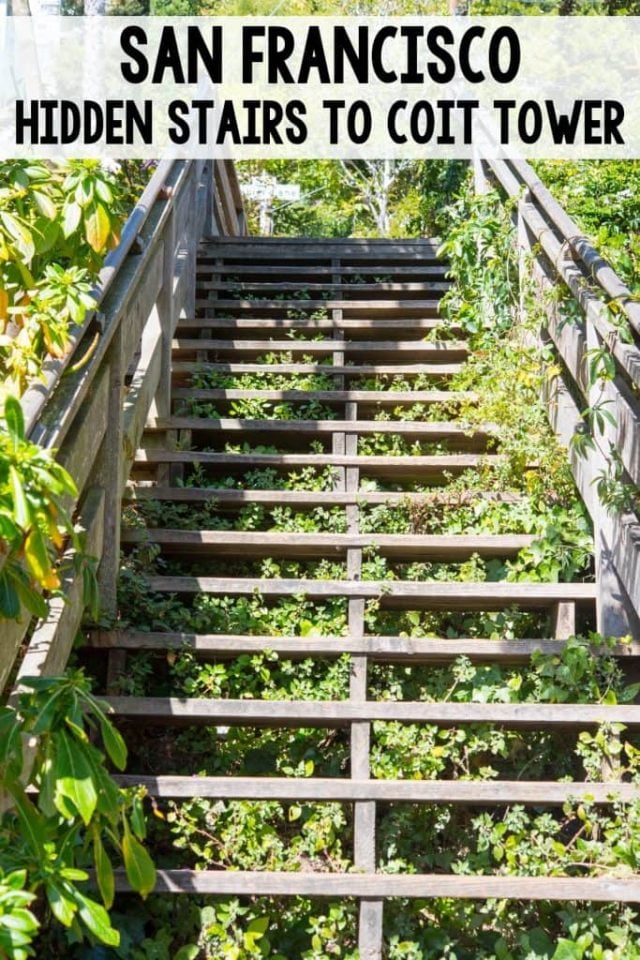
x: 78, y: 820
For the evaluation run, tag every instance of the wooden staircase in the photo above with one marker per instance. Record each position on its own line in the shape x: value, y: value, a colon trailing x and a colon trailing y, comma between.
x: 367, y: 322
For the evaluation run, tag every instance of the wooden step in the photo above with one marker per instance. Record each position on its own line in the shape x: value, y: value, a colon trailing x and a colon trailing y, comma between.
x: 350, y: 308
x: 300, y: 499
x: 401, y: 594
x: 446, y: 350
x: 282, y: 286
x: 474, y: 793
x: 418, y: 326
x: 256, y: 270
x: 383, y: 398
x: 463, y: 437
x: 214, y: 543
x: 401, y: 467
x: 334, y: 714
x: 379, y: 649
x: 305, y: 883
x: 185, y: 369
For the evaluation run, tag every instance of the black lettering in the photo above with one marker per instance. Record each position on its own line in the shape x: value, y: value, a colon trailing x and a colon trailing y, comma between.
x: 313, y: 58
x: 613, y: 117
x: 168, y: 58
x: 394, y: 110
x: 177, y: 110
x: 379, y: 40
x: 437, y: 39
x: 515, y: 55
x: 530, y: 132
x: 281, y: 47
x: 473, y: 76
x: 297, y: 132
x: 343, y: 49
x: 209, y: 54
x: 127, y: 38
x: 249, y: 54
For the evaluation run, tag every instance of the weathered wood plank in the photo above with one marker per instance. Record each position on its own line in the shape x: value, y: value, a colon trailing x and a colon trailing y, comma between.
x: 356, y: 289
x: 423, y: 886
x: 417, y: 467
x: 379, y: 308
x: 182, y: 368
x: 340, y: 713
x: 233, y: 543
x: 255, y: 269
x: 232, y: 499
x: 440, y: 595
x: 429, y: 430
x: 315, y: 789
x: 382, y: 649
x: 448, y: 350
x: 52, y: 640
x: 387, y: 398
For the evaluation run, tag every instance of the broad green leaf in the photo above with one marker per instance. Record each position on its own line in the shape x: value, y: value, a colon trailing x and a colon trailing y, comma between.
x: 97, y: 226
x: 568, y: 950
x: 45, y: 205
x: 63, y: 908
x: 96, y: 919
x: 14, y: 418
x: 32, y: 823
x: 20, y: 236
x: 84, y: 192
x: 138, y: 822
x: 104, y: 191
x: 141, y: 871
x: 9, y: 600
x: 21, y: 507
x: 114, y: 744
x: 74, y: 778
x: 71, y: 218
x: 38, y: 560
x: 189, y: 952
x: 104, y: 870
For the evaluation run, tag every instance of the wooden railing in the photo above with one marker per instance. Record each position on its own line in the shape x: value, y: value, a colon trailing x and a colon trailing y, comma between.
x: 553, y: 249
x: 93, y: 404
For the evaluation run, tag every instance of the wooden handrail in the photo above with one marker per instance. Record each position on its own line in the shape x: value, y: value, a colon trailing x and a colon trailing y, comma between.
x: 553, y: 248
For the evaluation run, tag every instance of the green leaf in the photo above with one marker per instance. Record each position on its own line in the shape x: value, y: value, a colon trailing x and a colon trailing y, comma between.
x: 20, y: 236
x: 45, y: 205
x: 141, y: 871
x: 568, y: 950
x: 38, y: 560
x: 96, y: 919
x: 71, y: 218
x: 97, y: 226
x: 114, y: 744
x: 9, y: 600
x: 103, y: 190
x: 21, y: 507
x: 14, y: 418
x: 189, y: 952
x: 74, y: 778
x: 63, y: 908
x: 104, y: 870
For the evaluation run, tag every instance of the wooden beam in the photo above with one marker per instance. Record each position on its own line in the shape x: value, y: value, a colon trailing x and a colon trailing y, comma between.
x: 380, y: 649
x: 341, y: 713
x: 440, y: 547
x: 473, y: 793
x: 605, y: 889
x: 406, y: 594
